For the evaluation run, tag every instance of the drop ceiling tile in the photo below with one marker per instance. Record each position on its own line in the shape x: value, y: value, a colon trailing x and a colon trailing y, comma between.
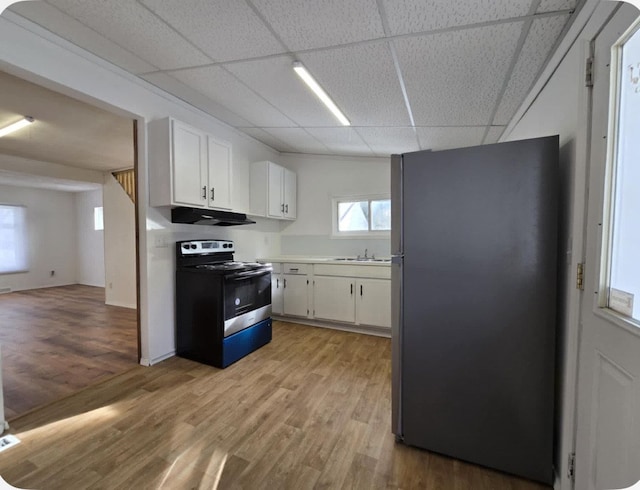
x: 494, y: 134
x: 191, y: 96
x: 298, y: 139
x: 224, y: 89
x: 409, y: 16
x: 454, y: 78
x: 542, y: 37
x: 77, y: 33
x: 553, y: 5
x: 450, y: 137
x: 362, y: 81
x: 224, y: 29
x: 268, y: 139
x: 319, y: 23
x: 341, y: 141
x: 130, y: 25
x: 387, y: 141
x: 275, y: 80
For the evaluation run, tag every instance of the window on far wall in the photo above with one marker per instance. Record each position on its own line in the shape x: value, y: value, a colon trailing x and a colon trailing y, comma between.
x: 364, y: 216
x: 13, y: 239
x: 98, y: 218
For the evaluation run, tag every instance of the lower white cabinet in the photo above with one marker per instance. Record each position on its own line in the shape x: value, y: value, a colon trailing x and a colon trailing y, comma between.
x: 352, y: 300
x: 277, y: 287
x: 334, y: 298
x: 373, y: 302
x: 295, y: 297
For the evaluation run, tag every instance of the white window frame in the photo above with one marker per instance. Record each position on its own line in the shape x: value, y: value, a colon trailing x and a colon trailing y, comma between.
x: 25, y: 239
x: 610, y: 184
x: 335, y: 233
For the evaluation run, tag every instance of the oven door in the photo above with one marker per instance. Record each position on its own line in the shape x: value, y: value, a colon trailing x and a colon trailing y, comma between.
x: 247, y: 299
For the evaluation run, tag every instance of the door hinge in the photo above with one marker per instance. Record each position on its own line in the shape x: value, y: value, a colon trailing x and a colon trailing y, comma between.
x: 571, y: 467
x: 580, y: 277
x: 588, y: 73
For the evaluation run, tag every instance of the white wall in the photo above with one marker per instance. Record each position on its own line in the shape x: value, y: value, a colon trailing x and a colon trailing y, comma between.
x: 321, y: 178
x: 51, y: 228
x: 35, y: 54
x: 90, y: 242
x: 119, y: 245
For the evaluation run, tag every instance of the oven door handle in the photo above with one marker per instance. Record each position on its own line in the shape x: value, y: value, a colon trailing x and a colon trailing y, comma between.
x: 239, y: 276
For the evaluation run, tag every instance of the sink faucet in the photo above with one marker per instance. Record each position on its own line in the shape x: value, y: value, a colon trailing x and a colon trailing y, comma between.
x: 366, y: 255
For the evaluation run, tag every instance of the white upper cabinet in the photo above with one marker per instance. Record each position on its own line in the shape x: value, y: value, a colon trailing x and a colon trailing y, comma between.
x: 187, y: 167
x: 219, y: 165
x: 273, y: 191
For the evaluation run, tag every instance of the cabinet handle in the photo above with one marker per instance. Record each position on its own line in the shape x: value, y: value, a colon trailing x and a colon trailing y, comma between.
x: 285, y: 284
x: 204, y: 192
x: 360, y: 289
x: 291, y: 269
x: 213, y: 193
x: 352, y: 289
x: 286, y: 208
x: 277, y: 283
x: 282, y: 208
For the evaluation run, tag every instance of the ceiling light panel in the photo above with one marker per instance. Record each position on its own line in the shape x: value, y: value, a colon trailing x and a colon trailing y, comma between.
x: 554, y: 5
x: 299, y: 140
x: 341, y: 141
x: 386, y: 141
x: 132, y: 26
x: 363, y: 82
x: 454, y: 79
x: 275, y: 80
x: 224, y: 29
x: 409, y: 16
x: 320, y: 23
x: 226, y: 90
x: 79, y: 34
x: 437, y: 139
x: 541, y: 38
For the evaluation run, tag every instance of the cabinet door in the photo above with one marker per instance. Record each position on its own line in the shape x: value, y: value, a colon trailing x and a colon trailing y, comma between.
x: 294, y: 294
x: 290, y: 194
x: 276, y: 294
x: 374, y: 302
x: 189, y: 165
x: 219, y: 165
x: 334, y: 298
x: 275, y: 178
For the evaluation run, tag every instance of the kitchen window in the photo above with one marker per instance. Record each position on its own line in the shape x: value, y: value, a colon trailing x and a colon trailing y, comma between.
x: 361, y: 216
x: 98, y: 218
x: 13, y: 239
x: 622, y: 233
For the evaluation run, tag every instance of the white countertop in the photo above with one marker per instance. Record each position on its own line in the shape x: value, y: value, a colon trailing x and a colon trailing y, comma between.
x: 305, y: 259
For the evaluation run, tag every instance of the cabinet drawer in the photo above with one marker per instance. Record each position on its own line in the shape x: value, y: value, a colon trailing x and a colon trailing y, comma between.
x: 373, y: 271
x: 292, y: 268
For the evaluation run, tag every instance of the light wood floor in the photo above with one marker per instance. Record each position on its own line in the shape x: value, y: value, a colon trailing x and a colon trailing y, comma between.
x: 56, y: 341
x: 309, y: 410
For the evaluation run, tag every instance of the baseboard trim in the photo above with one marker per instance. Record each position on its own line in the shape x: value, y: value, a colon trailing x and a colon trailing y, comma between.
x: 375, y: 331
x: 150, y: 362
x: 121, y: 305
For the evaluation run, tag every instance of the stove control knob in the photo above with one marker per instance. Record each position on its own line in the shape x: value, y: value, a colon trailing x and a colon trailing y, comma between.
x: 185, y: 246
x: 193, y: 246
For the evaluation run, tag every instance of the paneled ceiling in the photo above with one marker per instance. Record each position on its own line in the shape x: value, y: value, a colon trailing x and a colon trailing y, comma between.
x: 409, y: 74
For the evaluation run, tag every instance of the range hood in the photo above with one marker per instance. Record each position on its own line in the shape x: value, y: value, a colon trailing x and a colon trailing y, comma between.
x: 210, y: 217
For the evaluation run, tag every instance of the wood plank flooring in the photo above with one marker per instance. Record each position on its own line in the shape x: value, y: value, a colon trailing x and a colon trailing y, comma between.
x: 311, y: 409
x: 56, y: 341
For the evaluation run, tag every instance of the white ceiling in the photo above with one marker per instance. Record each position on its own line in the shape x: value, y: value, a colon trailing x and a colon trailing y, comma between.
x: 409, y: 74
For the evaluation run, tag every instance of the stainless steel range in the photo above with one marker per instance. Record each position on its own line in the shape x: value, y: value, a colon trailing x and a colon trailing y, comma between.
x: 223, y: 307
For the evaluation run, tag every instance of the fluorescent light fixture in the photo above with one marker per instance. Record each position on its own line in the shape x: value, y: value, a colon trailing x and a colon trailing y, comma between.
x: 320, y: 93
x: 15, y: 126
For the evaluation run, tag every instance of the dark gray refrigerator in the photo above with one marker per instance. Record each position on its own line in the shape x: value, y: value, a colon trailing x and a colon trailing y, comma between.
x: 474, y: 245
